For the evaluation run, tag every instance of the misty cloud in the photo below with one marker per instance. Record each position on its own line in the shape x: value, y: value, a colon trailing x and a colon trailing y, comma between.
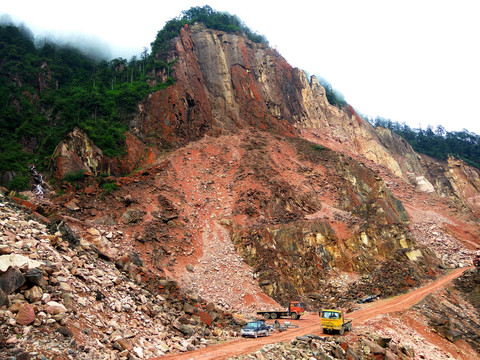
x: 91, y: 46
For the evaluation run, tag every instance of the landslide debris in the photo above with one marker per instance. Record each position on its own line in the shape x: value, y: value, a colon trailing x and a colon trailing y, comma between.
x: 92, y: 300
x: 352, y: 347
x: 455, y: 313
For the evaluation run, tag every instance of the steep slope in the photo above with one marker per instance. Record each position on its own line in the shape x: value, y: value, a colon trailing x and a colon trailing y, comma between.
x: 246, y: 187
x: 297, y: 211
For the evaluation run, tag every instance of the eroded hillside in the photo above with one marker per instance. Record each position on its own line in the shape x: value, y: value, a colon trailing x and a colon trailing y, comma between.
x: 248, y: 189
x: 266, y: 165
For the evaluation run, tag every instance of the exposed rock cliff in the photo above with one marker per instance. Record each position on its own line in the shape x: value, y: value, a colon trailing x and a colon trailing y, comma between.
x: 298, y: 211
x: 78, y: 153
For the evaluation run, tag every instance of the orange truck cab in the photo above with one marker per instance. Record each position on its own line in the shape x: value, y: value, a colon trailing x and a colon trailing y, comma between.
x: 294, y: 311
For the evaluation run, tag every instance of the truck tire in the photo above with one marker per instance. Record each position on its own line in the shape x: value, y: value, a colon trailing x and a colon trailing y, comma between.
x: 266, y: 316
x: 273, y: 315
x: 294, y: 316
x: 325, y: 331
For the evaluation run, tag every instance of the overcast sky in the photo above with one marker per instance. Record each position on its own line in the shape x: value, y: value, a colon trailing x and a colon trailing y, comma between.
x: 416, y: 62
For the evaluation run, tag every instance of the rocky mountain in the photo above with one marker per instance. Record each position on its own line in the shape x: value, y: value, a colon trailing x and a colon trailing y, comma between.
x: 243, y: 187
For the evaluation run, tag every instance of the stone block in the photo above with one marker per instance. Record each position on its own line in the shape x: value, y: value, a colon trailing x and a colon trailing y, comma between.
x: 11, y: 280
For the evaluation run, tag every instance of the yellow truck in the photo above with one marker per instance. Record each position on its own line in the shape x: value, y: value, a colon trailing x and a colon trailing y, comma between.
x: 333, y: 320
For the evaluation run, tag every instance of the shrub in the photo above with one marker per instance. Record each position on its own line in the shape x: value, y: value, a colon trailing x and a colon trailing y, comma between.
x: 19, y: 183
x: 109, y: 187
x: 74, y: 177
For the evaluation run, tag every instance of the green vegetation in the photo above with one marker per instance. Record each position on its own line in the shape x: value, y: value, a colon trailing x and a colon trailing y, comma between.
x: 308, y: 150
x: 47, y: 90
x: 74, y: 177
x: 318, y: 147
x: 109, y: 187
x: 438, y: 143
x: 210, y: 18
x: 334, y: 96
x: 19, y: 183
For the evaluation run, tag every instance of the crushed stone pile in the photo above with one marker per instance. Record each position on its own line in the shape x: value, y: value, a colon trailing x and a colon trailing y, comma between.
x: 348, y: 347
x: 65, y: 300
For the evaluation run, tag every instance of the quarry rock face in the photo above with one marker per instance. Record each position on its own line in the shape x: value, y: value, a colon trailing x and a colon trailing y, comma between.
x: 328, y: 212
x: 233, y: 93
x: 465, y: 180
x: 225, y: 83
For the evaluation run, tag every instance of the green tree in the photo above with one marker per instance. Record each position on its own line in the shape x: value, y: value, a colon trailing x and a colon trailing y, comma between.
x: 46, y: 90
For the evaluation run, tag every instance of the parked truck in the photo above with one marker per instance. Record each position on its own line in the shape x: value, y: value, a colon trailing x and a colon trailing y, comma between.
x: 333, y: 320
x: 294, y: 311
x: 476, y: 261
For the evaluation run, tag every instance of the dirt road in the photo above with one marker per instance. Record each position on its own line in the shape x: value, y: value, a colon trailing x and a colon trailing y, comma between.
x: 310, y: 324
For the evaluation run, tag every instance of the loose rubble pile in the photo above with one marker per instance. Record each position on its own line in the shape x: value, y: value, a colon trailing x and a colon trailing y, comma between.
x: 64, y: 301
x: 412, y: 336
x: 390, y: 278
x: 351, y: 347
x: 429, y: 233
x: 443, y: 311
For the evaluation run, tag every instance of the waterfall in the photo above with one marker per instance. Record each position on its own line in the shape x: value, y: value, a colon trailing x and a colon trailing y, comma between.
x: 38, y: 189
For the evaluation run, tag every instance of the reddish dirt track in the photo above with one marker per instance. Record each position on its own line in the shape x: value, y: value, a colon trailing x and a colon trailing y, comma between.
x: 310, y: 324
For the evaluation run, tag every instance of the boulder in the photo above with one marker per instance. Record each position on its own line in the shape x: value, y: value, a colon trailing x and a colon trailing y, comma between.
x: 18, y: 261
x: 453, y: 335
x: 205, y: 317
x: 217, y: 332
x: 11, y: 280
x: 374, y: 347
x: 34, y: 294
x: 72, y: 205
x: 124, y: 344
x: 23, y: 356
x: 64, y: 331
x: 384, y: 341
x: 189, y: 309
x: 34, y: 276
x: 55, y: 308
x: 188, y: 330
x: 390, y: 355
x: 177, y: 325
x: 133, y: 215
x: 25, y: 315
x: 408, y: 350
x: 128, y: 200
x: 5, y: 249
x: 3, y: 298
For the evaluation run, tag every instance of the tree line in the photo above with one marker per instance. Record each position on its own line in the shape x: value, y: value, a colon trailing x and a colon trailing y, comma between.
x: 46, y: 90
x: 212, y: 19
x: 437, y: 142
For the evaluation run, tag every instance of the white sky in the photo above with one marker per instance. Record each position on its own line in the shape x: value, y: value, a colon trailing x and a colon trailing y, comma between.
x: 416, y: 62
